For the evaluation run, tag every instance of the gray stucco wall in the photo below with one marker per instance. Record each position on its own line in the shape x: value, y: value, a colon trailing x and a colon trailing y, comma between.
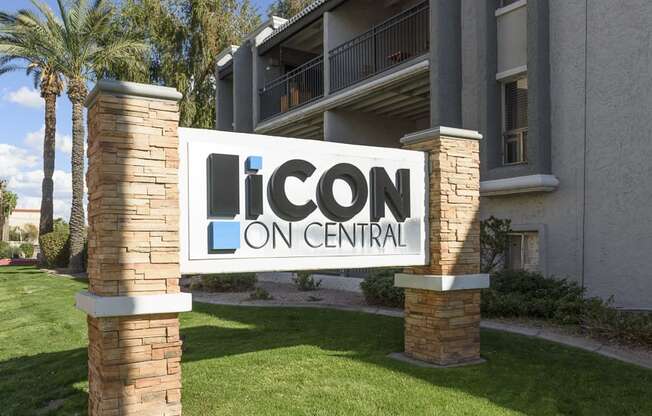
x: 243, y: 89
x: 599, y: 221
x: 355, y: 17
x: 224, y: 104
x: 445, y: 64
x: 363, y: 128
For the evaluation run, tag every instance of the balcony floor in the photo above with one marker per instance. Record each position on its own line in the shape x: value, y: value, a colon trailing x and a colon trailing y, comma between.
x: 400, y: 93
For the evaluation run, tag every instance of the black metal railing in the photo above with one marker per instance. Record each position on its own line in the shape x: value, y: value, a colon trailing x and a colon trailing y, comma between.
x: 294, y: 89
x: 396, y: 40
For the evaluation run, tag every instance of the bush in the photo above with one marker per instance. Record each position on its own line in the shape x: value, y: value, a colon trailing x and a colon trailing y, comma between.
x: 55, y: 248
x: 5, y: 250
x: 305, y: 282
x: 260, y: 294
x: 494, y: 241
x: 528, y: 294
x: 600, y: 319
x: 378, y: 289
x: 27, y: 249
x: 234, y: 282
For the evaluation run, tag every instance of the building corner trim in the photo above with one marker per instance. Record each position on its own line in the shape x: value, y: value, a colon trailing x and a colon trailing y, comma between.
x: 519, y: 184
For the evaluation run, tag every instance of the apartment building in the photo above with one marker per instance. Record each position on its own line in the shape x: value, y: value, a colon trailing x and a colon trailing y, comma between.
x: 559, y: 90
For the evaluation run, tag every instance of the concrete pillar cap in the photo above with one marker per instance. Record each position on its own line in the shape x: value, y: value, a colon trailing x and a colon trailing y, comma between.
x: 133, y: 89
x: 442, y: 283
x: 433, y: 133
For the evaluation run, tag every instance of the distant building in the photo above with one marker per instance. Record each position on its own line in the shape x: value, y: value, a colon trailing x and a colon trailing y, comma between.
x: 19, y: 218
x: 560, y: 91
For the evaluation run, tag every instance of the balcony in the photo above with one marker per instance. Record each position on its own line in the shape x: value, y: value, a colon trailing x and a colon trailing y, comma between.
x: 396, y: 40
x: 400, y: 38
x: 294, y: 89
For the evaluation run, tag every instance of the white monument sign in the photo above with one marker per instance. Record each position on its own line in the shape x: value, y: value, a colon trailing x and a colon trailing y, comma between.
x: 260, y: 203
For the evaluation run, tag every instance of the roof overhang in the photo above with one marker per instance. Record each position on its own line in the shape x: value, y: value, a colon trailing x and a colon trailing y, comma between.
x: 298, y: 22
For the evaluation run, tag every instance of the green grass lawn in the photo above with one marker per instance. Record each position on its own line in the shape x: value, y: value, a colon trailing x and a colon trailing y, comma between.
x: 262, y: 361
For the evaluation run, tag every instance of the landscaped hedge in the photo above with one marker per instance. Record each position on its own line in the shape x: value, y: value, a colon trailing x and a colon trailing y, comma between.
x: 234, y: 282
x: 27, y: 249
x: 529, y: 295
x: 5, y: 250
x: 378, y: 289
x: 55, y: 248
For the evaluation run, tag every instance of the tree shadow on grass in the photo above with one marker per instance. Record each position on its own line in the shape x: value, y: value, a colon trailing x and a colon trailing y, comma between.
x: 522, y: 374
x: 23, y: 270
x: 53, y: 383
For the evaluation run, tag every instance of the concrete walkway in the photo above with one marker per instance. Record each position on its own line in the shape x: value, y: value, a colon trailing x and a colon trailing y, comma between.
x: 631, y: 356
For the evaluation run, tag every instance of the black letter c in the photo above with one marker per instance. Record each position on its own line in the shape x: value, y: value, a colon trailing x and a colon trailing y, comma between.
x: 279, y: 201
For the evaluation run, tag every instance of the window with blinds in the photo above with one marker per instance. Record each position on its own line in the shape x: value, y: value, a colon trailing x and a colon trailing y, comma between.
x: 515, y: 121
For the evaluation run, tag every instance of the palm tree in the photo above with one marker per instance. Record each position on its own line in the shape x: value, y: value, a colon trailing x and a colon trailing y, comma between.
x: 8, y: 201
x: 85, y: 47
x: 20, y: 36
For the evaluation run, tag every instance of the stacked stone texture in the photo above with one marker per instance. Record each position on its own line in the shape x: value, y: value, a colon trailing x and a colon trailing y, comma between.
x: 133, y: 249
x: 444, y: 327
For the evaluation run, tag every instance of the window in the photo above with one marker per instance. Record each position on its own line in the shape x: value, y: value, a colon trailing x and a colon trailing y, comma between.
x: 504, y: 3
x: 515, y: 121
x: 523, y: 251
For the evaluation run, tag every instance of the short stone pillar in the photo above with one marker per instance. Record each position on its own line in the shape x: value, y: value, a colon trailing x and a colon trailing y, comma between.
x: 442, y: 299
x: 133, y: 300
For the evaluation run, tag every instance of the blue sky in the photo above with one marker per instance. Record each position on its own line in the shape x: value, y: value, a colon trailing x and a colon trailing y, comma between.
x: 21, y: 138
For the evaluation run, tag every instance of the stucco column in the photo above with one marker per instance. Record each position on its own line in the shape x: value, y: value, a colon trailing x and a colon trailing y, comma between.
x: 442, y: 299
x: 133, y: 300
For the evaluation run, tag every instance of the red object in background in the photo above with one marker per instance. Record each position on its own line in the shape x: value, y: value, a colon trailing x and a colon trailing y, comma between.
x: 17, y: 262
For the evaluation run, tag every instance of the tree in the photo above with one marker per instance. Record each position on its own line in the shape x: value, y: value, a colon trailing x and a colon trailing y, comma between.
x: 86, y: 47
x: 287, y: 8
x: 61, y: 226
x: 184, y: 38
x: 21, y: 36
x: 29, y: 233
x: 8, y: 202
x: 494, y: 241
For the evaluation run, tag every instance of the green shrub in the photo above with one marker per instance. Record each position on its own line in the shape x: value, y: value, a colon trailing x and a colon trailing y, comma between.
x: 494, y: 241
x: 55, y: 247
x: 378, y: 289
x: 260, y: 294
x: 528, y: 294
x: 234, y: 282
x: 5, y: 250
x: 600, y: 319
x: 27, y: 249
x: 305, y: 282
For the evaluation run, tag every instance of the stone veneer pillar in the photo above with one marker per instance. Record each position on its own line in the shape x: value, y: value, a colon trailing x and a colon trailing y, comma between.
x: 133, y: 300
x: 442, y: 299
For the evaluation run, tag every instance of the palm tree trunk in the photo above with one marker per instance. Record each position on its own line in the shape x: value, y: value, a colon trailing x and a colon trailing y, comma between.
x: 47, y: 189
x: 2, y: 213
x: 77, y: 93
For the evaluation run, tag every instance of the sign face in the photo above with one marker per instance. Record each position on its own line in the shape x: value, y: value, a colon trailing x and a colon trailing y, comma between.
x: 261, y: 203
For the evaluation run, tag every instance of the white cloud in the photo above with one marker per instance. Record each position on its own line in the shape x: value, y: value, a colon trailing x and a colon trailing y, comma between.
x: 35, y: 140
x: 26, y: 97
x: 15, y: 160
x: 21, y: 169
x: 27, y: 185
